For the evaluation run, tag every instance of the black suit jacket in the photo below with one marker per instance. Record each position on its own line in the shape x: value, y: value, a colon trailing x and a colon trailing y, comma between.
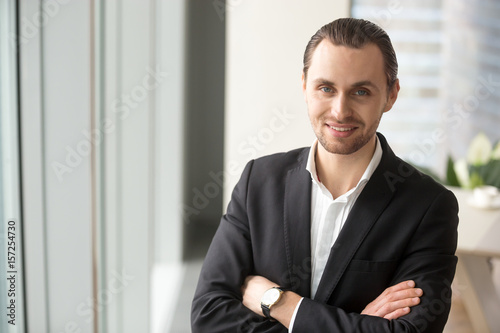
x: 403, y: 226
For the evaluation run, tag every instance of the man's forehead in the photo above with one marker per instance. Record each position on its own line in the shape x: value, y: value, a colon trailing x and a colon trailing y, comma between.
x: 326, y: 49
x: 360, y: 64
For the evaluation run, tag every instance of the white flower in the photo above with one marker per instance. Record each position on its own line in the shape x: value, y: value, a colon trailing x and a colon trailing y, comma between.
x: 462, y: 172
x: 479, y: 150
x: 495, y: 155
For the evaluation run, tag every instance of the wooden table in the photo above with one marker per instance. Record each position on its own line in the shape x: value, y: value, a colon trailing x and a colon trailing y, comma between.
x: 478, y: 242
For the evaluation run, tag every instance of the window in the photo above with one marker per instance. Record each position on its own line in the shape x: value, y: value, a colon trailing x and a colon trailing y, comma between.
x: 11, y: 285
x: 449, y: 69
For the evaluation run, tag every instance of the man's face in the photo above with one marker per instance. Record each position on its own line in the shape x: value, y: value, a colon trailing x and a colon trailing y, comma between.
x: 346, y: 95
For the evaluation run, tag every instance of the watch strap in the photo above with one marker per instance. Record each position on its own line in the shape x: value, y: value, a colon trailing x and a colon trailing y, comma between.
x: 266, y: 311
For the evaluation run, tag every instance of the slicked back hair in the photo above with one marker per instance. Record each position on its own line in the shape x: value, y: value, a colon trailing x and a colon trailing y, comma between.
x: 355, y: 33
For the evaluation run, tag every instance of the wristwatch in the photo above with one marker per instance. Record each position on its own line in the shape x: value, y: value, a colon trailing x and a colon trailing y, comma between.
x: 270, y: 298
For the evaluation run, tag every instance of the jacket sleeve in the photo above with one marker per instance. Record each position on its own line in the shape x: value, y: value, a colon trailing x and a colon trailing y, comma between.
x: 217, y: 304
x: 429, y: 260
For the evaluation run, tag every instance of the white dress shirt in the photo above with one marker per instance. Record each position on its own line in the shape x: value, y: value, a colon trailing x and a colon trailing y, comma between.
x: 328, y: 216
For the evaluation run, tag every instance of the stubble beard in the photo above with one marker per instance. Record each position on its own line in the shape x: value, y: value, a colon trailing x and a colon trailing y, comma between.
x: 349, y: 145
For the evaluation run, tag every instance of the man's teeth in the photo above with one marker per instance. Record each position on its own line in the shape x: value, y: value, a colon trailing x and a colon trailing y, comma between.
x: 341, y: 129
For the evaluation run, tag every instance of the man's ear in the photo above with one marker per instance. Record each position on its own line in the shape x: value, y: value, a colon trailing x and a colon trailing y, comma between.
x: 303, y: 78
x: 393, y: 96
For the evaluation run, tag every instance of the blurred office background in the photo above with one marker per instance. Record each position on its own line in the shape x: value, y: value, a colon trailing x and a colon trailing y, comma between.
x: 125, y: 125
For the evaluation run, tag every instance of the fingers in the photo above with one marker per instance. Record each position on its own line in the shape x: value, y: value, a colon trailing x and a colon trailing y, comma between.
x: 402, y: 294
x: 394, y: 308
x: 405, y: 285
x: 395, y: 301
x: 405, y: 289
x: 398, y: 313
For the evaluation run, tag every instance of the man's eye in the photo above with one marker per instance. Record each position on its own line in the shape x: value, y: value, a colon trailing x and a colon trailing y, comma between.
x: 361, y: 92
x: 326, y: 89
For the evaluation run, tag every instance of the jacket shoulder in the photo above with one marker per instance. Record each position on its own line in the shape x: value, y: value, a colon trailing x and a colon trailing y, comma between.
x: 416, y: 181
x: 282, y: 161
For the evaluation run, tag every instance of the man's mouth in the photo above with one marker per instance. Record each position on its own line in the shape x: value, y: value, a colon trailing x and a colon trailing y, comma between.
x: 342, y: 129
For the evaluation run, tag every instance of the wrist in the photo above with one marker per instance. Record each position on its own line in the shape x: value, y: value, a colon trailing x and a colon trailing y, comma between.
x: 287, y: 302
x: 283, y: 310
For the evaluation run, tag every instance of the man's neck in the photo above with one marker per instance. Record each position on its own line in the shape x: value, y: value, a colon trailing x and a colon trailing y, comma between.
x: 340, y: 173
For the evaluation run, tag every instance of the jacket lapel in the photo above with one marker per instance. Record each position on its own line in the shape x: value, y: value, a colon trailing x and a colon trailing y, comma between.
x: 297, y: 227
x: 370, y: 204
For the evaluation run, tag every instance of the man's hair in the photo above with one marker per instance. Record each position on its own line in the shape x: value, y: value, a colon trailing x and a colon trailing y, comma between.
x: 355, y: 33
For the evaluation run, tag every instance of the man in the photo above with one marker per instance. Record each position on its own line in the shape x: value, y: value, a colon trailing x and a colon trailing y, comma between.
x: 356, y: 239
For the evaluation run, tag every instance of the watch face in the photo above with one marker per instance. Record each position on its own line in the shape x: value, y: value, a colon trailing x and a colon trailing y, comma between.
x: 270, y: 296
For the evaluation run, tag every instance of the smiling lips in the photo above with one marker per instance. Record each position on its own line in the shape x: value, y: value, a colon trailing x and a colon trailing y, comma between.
x: 342, y: 129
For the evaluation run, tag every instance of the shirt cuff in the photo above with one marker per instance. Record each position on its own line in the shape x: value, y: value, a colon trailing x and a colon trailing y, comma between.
x: 292, y: 321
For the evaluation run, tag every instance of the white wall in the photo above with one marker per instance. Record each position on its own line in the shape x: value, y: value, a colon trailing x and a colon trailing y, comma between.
x: 55, y: 104
x: 265, y: 109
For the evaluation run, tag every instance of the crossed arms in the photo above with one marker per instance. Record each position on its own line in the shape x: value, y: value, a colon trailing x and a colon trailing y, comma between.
x: 393, y: 303
x: 227, y: 298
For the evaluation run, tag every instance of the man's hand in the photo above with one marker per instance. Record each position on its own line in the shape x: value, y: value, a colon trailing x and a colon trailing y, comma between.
x: 395, y: 301
x: 254, y: 288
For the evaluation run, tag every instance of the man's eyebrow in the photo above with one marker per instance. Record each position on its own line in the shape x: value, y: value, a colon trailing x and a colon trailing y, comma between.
x: 321, y: 81
x: 366, y: 83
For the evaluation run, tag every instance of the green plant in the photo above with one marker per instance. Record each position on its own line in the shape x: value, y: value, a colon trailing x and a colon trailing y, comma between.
x: 481, y: 167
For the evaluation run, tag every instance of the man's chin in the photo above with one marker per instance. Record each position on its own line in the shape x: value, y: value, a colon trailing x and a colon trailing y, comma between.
x: 344, y: 146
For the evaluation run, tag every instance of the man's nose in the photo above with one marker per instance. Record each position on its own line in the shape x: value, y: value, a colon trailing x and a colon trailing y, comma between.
x: 340, y: 107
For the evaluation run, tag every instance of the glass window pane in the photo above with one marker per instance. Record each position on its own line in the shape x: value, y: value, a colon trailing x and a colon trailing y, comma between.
x: 471, y: 71
x: 11, y: 285
x: 449, y: 69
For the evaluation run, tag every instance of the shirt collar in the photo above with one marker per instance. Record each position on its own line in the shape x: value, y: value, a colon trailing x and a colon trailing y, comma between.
x: 370, y: 169
x: 311, y: 162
